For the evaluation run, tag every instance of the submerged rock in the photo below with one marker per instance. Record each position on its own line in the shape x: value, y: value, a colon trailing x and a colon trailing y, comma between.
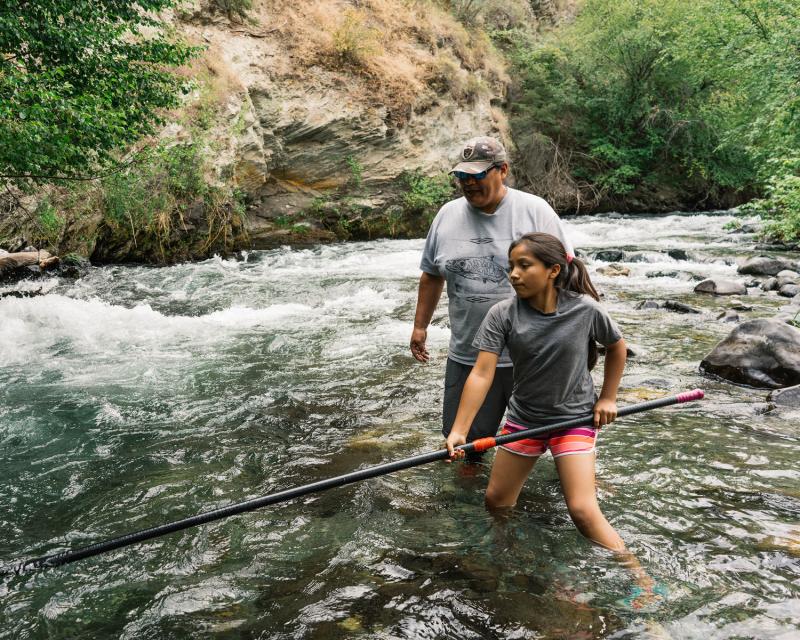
x: 679, y: 307
x: 728, y: 316
x: 787, y: 397
x: 760, y: 353
x: 721, y: 287
x: 669, y: 305
x: 678, y: 254
x: 609, y: 255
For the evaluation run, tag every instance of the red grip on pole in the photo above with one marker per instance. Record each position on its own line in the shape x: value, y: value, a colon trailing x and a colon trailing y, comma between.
x: 483, y: 444
x: 688, y: 396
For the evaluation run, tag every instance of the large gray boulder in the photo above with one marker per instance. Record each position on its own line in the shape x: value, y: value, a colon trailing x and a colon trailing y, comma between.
x: 765, y: 266
x: 720, y: 287
x: 759, y: 353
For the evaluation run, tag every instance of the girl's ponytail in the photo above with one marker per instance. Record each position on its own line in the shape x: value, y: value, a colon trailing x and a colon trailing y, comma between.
x: 573, y: 276
x: 577, y: 279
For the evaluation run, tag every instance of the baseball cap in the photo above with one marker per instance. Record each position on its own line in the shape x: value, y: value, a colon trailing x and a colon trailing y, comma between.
x: 479, y: 154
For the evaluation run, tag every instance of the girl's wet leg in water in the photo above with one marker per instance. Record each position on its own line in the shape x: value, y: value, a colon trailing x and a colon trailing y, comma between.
x: 577, y: 476
x: 509, y: 473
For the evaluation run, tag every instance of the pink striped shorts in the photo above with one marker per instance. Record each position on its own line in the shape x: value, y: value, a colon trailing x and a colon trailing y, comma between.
x: 561, y: 443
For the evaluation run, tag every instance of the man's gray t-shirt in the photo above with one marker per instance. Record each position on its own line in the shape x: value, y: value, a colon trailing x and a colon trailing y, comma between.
x: 550, y: 352
x: 469, y: 248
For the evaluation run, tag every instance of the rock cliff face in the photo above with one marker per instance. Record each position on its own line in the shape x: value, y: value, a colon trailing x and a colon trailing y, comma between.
x: 307, y: 118
x: 322, y: 102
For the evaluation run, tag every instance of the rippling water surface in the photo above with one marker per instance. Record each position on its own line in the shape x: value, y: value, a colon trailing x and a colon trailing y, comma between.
x: 135, y: 396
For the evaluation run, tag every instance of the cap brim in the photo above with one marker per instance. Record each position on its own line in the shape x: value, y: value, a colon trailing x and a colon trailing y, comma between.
x: 472, y: 167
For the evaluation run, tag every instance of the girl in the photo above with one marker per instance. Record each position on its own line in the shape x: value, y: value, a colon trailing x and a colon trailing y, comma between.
x: 550, y: 329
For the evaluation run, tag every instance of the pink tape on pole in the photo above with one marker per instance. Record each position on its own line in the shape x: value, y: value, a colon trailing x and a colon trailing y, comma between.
x: 688, y: 396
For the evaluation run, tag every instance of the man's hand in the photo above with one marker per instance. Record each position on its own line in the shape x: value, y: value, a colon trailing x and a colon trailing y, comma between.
x: 605, y: 412
x: 418, y: 349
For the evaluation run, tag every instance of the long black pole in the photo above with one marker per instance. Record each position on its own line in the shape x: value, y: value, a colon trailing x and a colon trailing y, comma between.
x: 483, y: 444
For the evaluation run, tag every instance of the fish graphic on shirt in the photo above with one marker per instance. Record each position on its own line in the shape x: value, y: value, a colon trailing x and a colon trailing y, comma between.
x: 484, y: 269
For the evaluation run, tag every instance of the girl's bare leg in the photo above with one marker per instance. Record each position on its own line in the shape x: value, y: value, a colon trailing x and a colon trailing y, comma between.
x: 509, y: 473
x: 576, y: 473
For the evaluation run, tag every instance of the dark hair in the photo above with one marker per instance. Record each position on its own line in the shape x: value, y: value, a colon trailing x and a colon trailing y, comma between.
x: 573, y: 277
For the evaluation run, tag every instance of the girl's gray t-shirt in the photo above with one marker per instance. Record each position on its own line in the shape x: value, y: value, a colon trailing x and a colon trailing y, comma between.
x: 549, y: 352
x: 469, y: 248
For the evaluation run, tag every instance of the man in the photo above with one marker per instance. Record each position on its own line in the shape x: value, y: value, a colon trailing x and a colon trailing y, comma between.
x: 467, y: 247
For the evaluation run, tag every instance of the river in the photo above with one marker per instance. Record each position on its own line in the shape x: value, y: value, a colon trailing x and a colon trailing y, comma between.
x: 134, y: 396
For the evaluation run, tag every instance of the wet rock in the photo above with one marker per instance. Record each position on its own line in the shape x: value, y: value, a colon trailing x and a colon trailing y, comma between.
x: 679, y: 307
x: 777, y: 246
x: 760, y: 353
x: 740, y: 306
x: 788, y: 273
x: 21, y: 294
x: 789, y: 290
x: 764, y: 266
x: 770, y: 284
x: 786, y: 397
x: 74, y: 267
x: 678, y: 254
x: 662, y: 274
x: 614, y: 270
x: 609, y: 255
x: 720, y: 287
x: 649, y: 304
x: 728, y: 316
x: 751, y: 227
x: 642, y: 256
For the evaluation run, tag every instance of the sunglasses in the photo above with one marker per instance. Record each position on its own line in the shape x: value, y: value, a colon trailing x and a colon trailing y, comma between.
x: 460, y: 175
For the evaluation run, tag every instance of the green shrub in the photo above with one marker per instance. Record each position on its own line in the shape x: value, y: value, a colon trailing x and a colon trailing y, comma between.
x: 50, y: 226
x: 781, y: 208
x: 148, y: 202
x: 424, y: 195
x: 356, y: 172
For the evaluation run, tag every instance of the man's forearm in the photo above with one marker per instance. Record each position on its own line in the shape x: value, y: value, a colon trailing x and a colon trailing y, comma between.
x: 430, y: 290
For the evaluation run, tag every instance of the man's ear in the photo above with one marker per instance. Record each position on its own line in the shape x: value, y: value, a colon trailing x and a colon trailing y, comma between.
x: 504, y: 170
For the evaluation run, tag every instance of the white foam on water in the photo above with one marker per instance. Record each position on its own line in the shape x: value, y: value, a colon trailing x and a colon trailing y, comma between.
x: 39, y: 327
x: 672, y: 231
x: 390, y: 336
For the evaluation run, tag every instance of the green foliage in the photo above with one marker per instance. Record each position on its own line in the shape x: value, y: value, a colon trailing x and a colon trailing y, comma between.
x: 165, y: 195
x: 356, y: 172
x: 698, y: 95
x: 425, y: 195
x: 781, y: 204
x: 49, y: 225
x: 81, y: 79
